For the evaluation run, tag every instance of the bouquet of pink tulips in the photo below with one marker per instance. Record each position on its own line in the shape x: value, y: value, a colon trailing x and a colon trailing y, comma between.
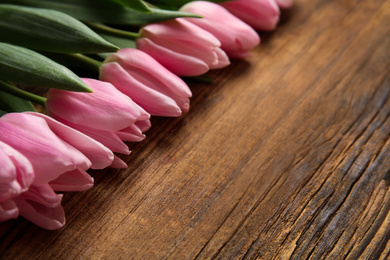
x: 86, y: 121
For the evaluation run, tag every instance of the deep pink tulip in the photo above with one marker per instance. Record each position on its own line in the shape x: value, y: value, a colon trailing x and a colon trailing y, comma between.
x: 259, y: 14
x: 284, y: 3
x: 149, y: 84
x: 16, y: 176
x: 236, y: 37
x: 182, y: 47
x: 106, y: 115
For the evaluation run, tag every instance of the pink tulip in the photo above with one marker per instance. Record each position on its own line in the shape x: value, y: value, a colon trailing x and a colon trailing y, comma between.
x: 182, y: 47
x: 259, y: 14
x: 146, y: 82
x: 236, y: 37
x: 57, y: 154
x: 50, y: 147
x: 16, y: 177
x: 284, y: 3
x: 18, y: 195
x: 106, y: 115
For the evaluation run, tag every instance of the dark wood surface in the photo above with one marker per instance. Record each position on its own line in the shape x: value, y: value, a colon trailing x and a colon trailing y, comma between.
x: 286, y: 155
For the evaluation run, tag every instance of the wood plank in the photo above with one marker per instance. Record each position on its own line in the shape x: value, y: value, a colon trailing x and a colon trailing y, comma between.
x: 285, y: 155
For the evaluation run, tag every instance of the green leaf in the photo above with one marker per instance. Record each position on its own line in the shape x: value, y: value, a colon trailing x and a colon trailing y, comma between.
x: 10, y: 103
x: 76, y: 60
x: 48, y: 30
x: 2, y: 112
x: 100, y: 11
x: 118, y: 41
x: 21, y: 65
x: 175, y: 4
x: 135, y: 4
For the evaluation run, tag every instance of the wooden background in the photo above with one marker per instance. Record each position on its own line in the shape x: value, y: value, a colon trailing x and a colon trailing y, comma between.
x: 286, y: 155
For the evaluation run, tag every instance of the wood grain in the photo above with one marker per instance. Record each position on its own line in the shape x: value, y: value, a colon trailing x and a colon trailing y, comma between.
x: 285, y: 156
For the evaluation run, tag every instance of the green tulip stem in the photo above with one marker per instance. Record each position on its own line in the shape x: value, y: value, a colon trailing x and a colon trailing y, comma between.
x: 86, y: 61
x: 112, y: 31
x: 11, y: 89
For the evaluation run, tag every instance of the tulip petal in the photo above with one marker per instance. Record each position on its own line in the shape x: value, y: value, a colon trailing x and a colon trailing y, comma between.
x: 179, y: 29
x: 143, y: 125
x: 99, y: 155
x: 178, y: 63
x: 17, y: 172
x: 259, y: 14
x: 118, y: 163
x: 144, y: 116
x: 131, y: 134
x: 44, y: 195
x: 107, y: 138
x: 106, y: 108
x: 223, y: 59
x: 77, y: 180
x: 45, y: 217
x: 152, y: 101
x: 234, y: 34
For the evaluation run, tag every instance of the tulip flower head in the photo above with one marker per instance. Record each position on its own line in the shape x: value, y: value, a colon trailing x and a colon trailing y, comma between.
x: 236, y: 37
x: 259, y: 14
x: 150, y: 85
x: 53, y: 148
x: 182, y: 47
x: 58, y: 155
x: 19, y: 196
x: 106, y: 115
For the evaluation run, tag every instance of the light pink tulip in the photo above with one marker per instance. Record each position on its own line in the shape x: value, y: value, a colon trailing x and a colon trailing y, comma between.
x: 259, y: 14
x: 56, y: 153
x: 182, y: 47
x: 149, y: 84
x: 106, y: 115
x: 284, y: 3
x: 53, y: 148
x: 236, y: 37
x: 18, y: 195
x: 16, y: 176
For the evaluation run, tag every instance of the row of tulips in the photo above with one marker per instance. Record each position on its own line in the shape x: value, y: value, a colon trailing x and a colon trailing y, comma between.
x: 42, y: 154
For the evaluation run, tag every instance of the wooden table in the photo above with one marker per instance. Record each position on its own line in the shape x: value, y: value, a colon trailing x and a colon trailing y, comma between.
x: 285, y: 155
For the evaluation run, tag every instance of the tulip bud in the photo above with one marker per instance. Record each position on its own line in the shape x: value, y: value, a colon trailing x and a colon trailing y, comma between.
x: 50, y: 155
x: 236, y: 37
x: 106, y: 115
x: 147, y: 82
x: 182, y: 47
x: 259, y: 14
x: 56, y: 153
